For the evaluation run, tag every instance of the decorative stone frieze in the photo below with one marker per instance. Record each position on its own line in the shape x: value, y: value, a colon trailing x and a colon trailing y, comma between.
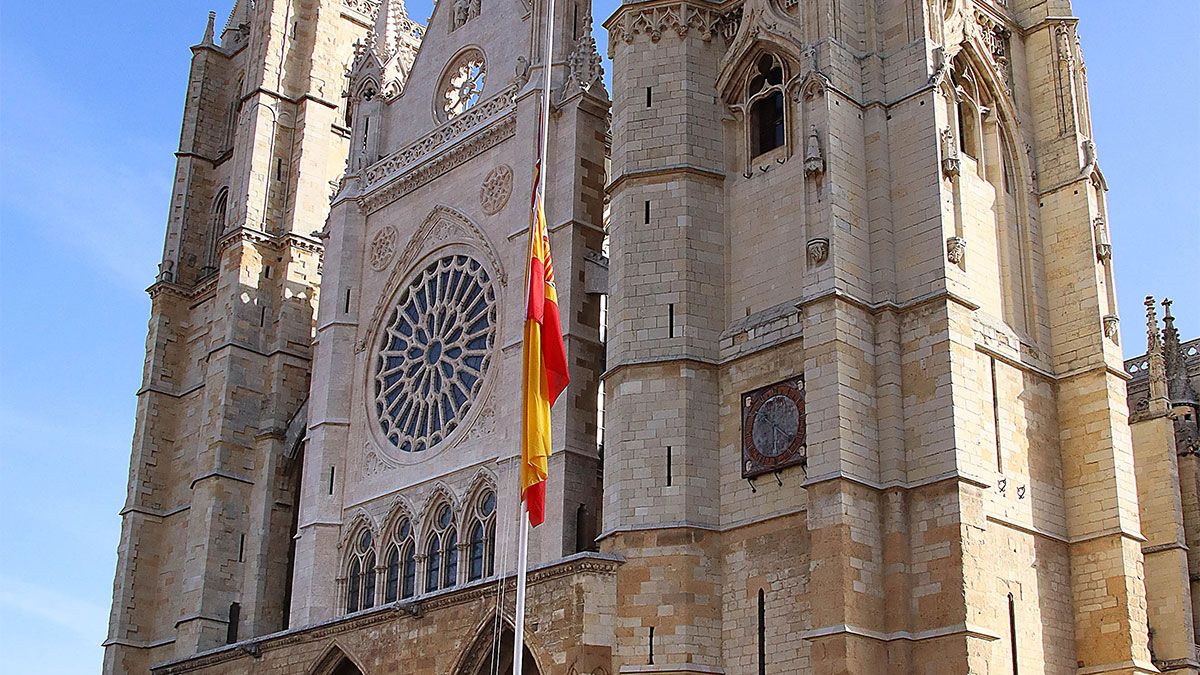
x: 437, y: 140
x: 680, y: 18
x: 406, y: 178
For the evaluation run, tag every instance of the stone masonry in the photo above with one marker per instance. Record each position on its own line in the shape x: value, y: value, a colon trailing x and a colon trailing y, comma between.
x: 897, y: 204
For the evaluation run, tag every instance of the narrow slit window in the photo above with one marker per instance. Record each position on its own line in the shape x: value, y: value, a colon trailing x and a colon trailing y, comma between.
x: 347, y: 303
x: 650, y: 646
x: 646, y: 215
x: 242, y: 548
x: 671, y: 320
x: 1012, y: 632
x: 235, y: 617
x: 649, y: 97
x: 762, y: 632
x: 669, y: 467
x: 332, y: 471
x: 996, y: 418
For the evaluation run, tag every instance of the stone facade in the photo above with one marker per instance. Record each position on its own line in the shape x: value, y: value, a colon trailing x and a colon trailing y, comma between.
x: 893, y: 208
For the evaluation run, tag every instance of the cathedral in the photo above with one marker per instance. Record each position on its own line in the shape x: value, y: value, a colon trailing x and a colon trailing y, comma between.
x: 847, y: 391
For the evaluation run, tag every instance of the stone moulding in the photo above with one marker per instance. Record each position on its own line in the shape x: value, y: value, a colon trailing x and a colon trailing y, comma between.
x: 436, y: 141
x: 681, y: 17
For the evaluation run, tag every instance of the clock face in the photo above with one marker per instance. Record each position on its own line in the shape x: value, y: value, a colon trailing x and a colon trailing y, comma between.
x: 775, y: 425
x: 773, y: 434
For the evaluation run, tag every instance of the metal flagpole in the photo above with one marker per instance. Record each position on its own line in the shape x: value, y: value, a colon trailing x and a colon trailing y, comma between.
x: 522, y: 570
x: 544, y: 142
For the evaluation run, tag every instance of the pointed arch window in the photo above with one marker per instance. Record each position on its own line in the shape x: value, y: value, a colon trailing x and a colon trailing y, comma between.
x: 441, y: 551
x: 401, y: 578
x: 765, y: 106
x: 216, y: 227
x: 482, y: 538
x: 360, y: 573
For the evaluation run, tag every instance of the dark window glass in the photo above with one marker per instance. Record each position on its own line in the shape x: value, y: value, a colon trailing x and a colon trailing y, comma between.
x: 368, y: 600
x: 491, y: 549
x: 352, y: 588
x: 392, y: 586
x: 433, y: 564
x: 477, y: 552
x: 766, y: 115
x: 410, y: 571
x: 451, y: 576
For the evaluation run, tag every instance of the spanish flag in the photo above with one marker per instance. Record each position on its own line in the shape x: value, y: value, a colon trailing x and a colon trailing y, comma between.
x: 544, y: 370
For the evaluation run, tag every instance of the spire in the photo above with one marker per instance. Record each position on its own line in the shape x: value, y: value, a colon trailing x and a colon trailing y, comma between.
x: 209, y: 32
x: 238, y: 23
x: 394, y: 41
x: 1179, y: 389
x: 386, y: 33
x: 1154, y: 352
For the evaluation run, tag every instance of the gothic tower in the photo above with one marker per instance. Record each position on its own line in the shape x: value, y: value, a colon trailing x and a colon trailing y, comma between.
x: 205, y: 550
x: 864, y: 383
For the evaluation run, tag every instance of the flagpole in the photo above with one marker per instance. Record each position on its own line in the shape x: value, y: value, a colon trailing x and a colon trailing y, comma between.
x: 544, y: 144
x: 522, y: 572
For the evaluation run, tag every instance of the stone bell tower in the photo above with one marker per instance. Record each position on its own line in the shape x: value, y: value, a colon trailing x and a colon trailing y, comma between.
x: 864, y: 379
x: 205, y: 550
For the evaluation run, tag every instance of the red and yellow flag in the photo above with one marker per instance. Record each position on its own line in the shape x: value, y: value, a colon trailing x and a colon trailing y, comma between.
x: 544, y: 371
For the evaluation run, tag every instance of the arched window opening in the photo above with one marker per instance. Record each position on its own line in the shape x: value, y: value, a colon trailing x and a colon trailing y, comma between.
x: 764, y: 96
x: 968, y: 129
x: 1006, y: 162
x: 401, y: 564
x: 216, y: 227
x: 441, y: 551
x: 482, y: 538
x: 360, y: 575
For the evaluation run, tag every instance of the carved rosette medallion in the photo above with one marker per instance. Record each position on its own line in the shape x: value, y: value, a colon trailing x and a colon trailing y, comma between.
x: 496, y: 189
x: 383, y: 247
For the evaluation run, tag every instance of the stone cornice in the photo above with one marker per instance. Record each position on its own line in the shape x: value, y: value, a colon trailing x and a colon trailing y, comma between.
x: 656, y: 18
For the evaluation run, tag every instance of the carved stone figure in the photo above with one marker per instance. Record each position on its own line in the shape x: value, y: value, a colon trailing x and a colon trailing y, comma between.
x: 951, y: 162
x: 956, y: 250
x: 818, y: 251
x: 814, y: 161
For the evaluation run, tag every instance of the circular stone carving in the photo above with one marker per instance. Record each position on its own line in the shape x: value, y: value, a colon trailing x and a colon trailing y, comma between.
x: 383, y: 247
x: 434, y: 353
x: 496, y: 189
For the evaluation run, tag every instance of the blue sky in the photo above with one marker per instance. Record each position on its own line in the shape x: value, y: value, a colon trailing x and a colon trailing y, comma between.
x: 90, y: 100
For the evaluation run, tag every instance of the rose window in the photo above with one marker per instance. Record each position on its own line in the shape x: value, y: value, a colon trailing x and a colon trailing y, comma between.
x: 464, y: 85
x: 434, y: 353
